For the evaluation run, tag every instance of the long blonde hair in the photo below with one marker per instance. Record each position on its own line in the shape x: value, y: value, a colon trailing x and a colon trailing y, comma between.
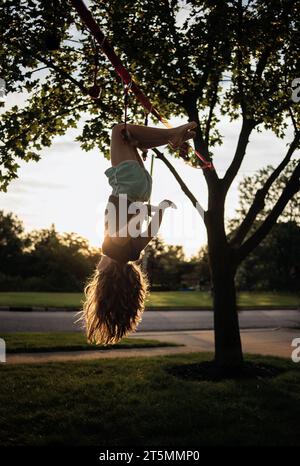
x: 114, y: 302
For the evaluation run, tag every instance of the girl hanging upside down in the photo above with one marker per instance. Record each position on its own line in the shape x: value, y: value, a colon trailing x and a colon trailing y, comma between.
x: 115, y: 295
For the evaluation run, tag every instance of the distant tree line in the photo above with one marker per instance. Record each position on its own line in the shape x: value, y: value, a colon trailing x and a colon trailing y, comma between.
x: 273, y: 266
x: 42, y: 260
x: 45, y: 260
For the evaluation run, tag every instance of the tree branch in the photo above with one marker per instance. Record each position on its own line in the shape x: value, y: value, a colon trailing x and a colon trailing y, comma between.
x: 182, y: 184
x: 239, y: 57
x: 297, y: 130
x: 196, y: 91
x: 292, y: 187
x: 214, y: 101
x: 259, y: 200
x: 238, y: 158
x: 190, y: 106
x: 190, y: 97
x: 50, y: 64
x: 284, y: 106
x: 192, y: 111
x: 262, y: 63
x: 270, y: 47
x: 47, y: 120
x: 174, y: 33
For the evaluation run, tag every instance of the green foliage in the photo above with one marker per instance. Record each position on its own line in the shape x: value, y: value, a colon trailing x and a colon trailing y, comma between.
x: 45, y: 260
x: 264, y: 62
x: 12, y: 242
x: 201, y: 271
x: 274, y: 264
x: 42, y: 260
x: 191, y: 57
x: 250, y: 186
x: 165, y: 265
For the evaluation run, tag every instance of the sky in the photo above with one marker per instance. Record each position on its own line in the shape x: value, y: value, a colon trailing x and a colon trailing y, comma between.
x: 68, y: 186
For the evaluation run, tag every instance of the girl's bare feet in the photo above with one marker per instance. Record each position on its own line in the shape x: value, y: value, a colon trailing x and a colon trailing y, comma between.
x: 183, y: 133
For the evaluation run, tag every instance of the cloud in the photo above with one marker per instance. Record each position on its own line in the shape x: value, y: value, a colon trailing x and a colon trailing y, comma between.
x: 26, y: 185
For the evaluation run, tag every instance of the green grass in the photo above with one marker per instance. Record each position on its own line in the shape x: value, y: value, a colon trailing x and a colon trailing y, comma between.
x: 63, y: 341
x: 156, y: 299
x: 136, y: 402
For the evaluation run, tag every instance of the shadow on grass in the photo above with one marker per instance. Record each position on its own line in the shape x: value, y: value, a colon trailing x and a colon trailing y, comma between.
x: 46, y: 342
x: 211, y: 372
x: 136, y: 401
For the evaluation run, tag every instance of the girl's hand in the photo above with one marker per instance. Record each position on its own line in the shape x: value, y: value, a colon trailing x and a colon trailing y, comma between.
x: 166, y: 203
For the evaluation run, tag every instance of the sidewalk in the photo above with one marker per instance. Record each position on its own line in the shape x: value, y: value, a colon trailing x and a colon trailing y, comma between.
x: 274, y: 342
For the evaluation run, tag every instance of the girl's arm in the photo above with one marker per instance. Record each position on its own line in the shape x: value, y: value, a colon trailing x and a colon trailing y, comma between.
x: 152, y: 229
x: 141, y: 240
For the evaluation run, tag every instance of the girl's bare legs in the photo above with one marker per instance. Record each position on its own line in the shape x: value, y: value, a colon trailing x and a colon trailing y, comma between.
x: 145, y: 137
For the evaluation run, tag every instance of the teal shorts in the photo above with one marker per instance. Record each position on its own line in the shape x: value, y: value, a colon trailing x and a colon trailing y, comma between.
x: 130, y: 178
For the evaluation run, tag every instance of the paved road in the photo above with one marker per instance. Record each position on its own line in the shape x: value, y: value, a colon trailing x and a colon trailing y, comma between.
x: 152, y: 320
x: 268, y: 341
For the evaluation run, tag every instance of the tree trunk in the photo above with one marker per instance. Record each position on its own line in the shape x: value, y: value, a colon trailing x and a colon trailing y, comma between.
x: 228, y: 348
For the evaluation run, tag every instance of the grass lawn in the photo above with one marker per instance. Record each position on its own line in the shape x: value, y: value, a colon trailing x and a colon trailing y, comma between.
x: 64, y: 341
x: 156, y: 299
x: 138, y: 402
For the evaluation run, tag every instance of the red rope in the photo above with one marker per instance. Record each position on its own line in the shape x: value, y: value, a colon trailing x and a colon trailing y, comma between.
x: 107, y: 48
